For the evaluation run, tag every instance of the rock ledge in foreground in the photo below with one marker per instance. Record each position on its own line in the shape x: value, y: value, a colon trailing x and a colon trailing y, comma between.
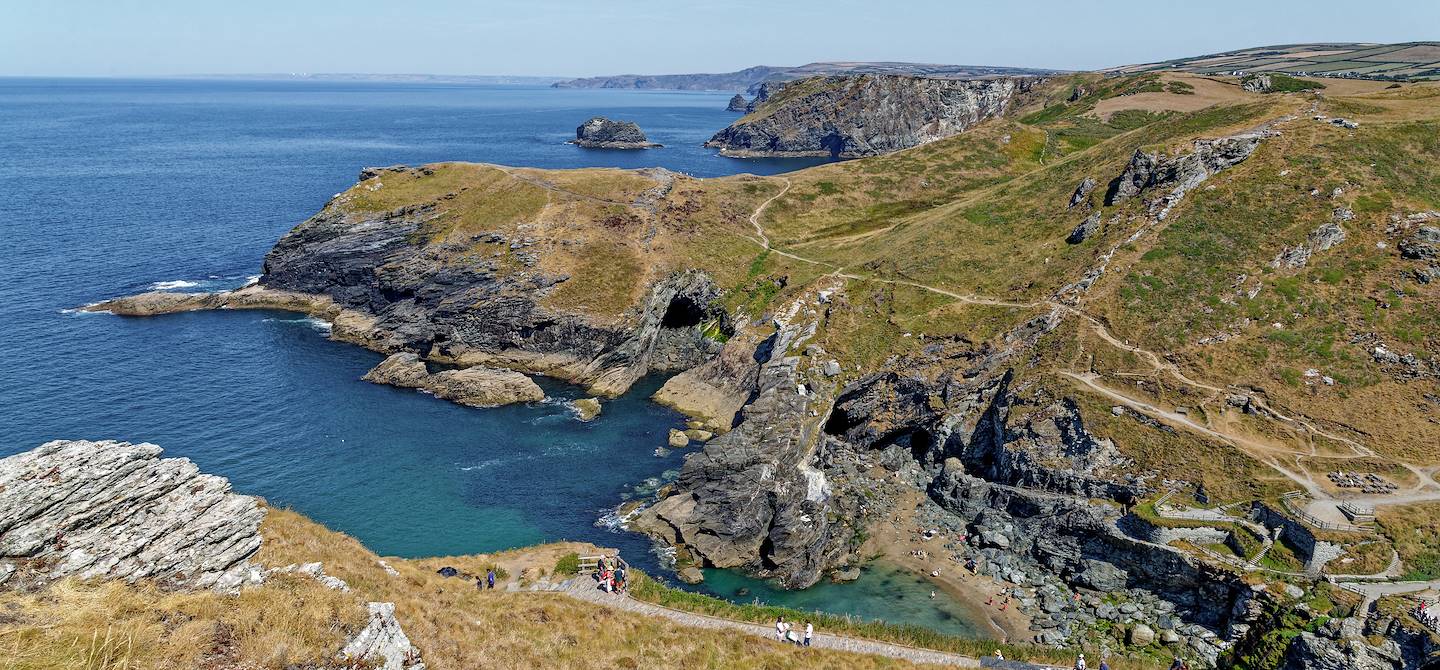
x: 115, y: 509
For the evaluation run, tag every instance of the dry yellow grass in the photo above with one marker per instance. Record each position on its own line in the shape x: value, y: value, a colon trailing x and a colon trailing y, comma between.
x: 1207, y: 92
x: 293, y: 621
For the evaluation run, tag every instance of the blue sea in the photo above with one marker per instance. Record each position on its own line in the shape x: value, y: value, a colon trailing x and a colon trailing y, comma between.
x: 112, y: 187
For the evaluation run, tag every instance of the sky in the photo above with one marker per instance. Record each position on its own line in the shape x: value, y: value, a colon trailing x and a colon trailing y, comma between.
x: 579, y: 38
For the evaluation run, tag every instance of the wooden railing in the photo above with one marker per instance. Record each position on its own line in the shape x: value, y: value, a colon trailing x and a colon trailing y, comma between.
x: 1310, y: 519
x: 589, y: 564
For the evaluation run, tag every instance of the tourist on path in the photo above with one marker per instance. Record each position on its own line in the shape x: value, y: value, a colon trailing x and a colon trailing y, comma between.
x: 780, y: 628
x: 490, y: 577
x: 809, y: 632
x: 1080, y: 662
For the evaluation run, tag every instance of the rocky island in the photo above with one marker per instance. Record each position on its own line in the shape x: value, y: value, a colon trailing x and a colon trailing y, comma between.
x: 1054, y: 351
x: 602, y: 133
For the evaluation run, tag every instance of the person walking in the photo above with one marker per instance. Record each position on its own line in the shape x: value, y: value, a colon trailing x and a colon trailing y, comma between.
x: 490, y: 577
x: 780, y: 629
x: 620, y: 578
x: 1104, y: 665
x: 809, y: 632
x: 1080, y: 662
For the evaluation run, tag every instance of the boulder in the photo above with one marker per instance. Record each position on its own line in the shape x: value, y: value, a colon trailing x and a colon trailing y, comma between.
x: 382, y: 643
x: 602, y: 133
x: 586, y: 408
x: 1423, y: 244
x: 690, y: 575
x: 118, y: 510
x: 848, y: 574
x: 475, y: 386
x: 1141, y: 635
x: 699, y: 434
x: 678, y: 439
x: 737, y: 104
x: 1082, y: 191
x: 1085, y: 230
x: 1257, y: 83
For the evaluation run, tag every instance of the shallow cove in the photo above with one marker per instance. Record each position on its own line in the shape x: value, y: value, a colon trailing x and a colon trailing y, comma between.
x: 116, y: 187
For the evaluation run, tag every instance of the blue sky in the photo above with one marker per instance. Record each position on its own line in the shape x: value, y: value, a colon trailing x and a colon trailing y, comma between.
x: 572, y: 37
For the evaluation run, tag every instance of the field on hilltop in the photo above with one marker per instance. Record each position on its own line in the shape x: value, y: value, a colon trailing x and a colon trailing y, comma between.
x: 1414, y: 61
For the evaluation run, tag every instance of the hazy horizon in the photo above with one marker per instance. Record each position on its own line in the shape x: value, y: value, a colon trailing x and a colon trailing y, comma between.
x: 570, y: 38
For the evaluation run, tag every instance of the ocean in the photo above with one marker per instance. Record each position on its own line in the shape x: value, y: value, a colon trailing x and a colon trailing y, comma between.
x: 112, y: 187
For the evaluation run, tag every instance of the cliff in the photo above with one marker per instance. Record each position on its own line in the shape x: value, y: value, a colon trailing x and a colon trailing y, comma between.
x: 1036, y: 362
x: 749, y: 79
x: 866, y: 115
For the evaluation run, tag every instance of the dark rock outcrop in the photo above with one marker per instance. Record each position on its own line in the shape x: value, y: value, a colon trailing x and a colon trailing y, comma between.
x: 1176, y: 175
x: 738, y: 103
x: 1082, y: 191
x: 602, y: 133
x: 1423, y: 244
x: 864, y: 115
x: 118, y: 510
x: 1085, y: 230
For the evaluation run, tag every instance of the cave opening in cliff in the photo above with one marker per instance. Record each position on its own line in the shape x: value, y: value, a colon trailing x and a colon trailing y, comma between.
x: 683, y: 312
x: 834, y: 143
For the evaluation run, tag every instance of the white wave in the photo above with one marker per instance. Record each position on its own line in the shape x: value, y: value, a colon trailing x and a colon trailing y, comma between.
x: 616, y: 522
x: 84, y: 309
x: 318, y: 324
x: 173, y: 284
x: 252, y: 280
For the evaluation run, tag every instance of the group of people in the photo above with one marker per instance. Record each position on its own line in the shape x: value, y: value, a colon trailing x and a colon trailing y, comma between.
x: 610, y: 572
x: 486, y: 582
x: 1429, y: 614
x: 785, y: 632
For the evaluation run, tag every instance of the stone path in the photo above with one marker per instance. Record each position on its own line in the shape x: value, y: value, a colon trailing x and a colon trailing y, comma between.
x: 583, y: 588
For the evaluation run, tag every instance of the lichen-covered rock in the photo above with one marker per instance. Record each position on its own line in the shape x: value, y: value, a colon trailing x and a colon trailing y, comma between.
x: 1152, y: 171
x: 118, y: 510
x: 866, y: 115
x: 1085, y: 230
x: 1256, y: 83
x: 1423, y: 244
x: 475, y: 386
x: 1321, y: 239
x: 1082, y: 191
x: 383, y: 643
x: 602, y: 133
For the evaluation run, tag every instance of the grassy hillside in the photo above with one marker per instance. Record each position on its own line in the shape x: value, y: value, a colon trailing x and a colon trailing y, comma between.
x: 957, y: 242
x: 1410, y: 60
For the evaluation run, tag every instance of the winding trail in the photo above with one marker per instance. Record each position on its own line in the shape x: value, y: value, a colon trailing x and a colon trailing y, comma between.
x: 1266, y: 454
x: 583, y: 588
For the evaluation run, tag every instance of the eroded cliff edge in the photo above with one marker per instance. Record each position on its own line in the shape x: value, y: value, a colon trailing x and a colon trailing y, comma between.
x: 850, y: 117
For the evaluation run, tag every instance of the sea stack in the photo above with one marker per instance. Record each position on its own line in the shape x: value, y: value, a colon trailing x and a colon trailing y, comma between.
x: 737, y: 104
x: 602, y: 133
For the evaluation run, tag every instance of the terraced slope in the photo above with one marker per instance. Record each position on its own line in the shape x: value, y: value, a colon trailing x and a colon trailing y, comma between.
x: 1410, y: 61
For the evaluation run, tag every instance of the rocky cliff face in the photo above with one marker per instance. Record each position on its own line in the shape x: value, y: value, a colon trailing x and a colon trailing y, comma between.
x: 865, y: 115
x: 602, y: 133
x: 115, y: 509
x: 470, y: 312
x: 752, y: 498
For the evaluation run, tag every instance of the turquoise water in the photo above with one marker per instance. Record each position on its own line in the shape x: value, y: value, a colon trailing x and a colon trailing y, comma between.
x: 883, y: 593
x: 113, y: 187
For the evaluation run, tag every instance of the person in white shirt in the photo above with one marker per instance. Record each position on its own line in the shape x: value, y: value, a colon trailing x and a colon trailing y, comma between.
x: 1080, y: 662
x: 809, y: 632
x: 780, y: 628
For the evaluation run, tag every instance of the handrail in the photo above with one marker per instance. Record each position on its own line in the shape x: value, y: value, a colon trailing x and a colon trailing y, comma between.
x: 1310, y: 519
